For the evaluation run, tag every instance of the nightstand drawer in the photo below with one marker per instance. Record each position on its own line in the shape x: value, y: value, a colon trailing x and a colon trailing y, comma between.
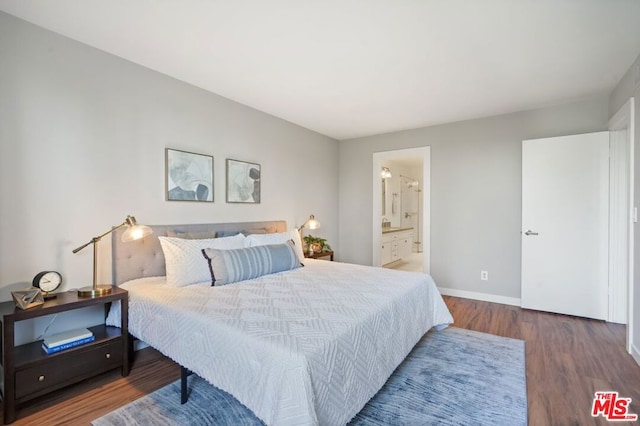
x: 59, y: 371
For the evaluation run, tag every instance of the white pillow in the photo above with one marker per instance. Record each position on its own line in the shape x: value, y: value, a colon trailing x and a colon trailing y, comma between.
x: 184, y: 260
x: 254, y: 240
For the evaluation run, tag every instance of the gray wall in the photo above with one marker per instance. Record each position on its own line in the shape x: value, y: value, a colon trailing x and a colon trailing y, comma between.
x: 82, y: 139
x: 475, y: 191
x: 628, y: 87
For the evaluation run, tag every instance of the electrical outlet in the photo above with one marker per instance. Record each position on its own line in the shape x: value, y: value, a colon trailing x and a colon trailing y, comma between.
x: 484, y: 275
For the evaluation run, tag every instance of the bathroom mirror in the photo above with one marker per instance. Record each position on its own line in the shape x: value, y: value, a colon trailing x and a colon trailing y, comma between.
x: 384, y: 197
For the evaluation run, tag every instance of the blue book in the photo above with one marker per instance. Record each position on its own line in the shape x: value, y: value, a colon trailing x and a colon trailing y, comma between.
x: 69, y: 345
x: 67, y: 337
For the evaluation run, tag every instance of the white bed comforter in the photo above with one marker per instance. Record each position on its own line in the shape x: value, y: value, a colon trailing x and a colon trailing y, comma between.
x: 304, y: 347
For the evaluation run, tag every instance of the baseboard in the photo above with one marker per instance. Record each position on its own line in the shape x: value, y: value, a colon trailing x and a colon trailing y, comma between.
x: 485, y: 297
x: 635, y: 353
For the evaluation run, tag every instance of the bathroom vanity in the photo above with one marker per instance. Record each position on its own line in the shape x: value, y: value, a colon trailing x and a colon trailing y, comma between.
x: 396, y: 244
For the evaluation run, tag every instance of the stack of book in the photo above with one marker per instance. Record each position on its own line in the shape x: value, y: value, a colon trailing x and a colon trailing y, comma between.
x: 67, y: 340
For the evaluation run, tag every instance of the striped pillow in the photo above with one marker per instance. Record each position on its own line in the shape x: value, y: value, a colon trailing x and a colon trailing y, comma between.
x: 230, y: 266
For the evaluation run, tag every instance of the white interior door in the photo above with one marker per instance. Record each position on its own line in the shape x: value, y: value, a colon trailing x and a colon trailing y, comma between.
x: 565, y: 204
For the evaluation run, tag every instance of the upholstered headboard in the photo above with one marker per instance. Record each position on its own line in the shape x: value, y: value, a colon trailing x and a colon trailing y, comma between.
x: 144, y: 258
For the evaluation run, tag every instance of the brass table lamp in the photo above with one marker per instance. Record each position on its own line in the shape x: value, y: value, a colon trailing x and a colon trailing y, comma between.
x: 135, y: 232
x: 311, y: 223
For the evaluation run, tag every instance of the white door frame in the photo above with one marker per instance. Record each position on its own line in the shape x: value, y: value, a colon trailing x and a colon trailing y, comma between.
x: 624, y: 119
x: 376, y: 226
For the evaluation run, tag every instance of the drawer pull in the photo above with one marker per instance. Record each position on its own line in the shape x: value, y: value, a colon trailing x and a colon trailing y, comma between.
x: 41, y: 379
x: 108, y: 356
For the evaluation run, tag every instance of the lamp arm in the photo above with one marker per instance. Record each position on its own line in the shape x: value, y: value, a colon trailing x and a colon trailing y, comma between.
x: 303, y: 225
x: 98, y: 238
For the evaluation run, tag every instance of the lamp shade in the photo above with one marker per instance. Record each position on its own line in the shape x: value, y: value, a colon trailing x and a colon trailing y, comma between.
x: 135, y: 231
x: 312, y: 223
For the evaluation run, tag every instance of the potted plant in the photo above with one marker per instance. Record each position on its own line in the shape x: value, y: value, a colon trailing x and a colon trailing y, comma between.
x: 316, y: 244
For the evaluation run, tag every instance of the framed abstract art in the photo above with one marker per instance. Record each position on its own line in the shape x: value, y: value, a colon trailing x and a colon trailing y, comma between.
x: 243, y: 182
x: 188, y: 176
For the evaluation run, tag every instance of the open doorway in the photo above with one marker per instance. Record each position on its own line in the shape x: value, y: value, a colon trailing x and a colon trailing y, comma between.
x: 401, y: 211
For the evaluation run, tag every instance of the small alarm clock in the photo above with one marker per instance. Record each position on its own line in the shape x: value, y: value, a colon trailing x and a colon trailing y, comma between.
x: 48, y: 282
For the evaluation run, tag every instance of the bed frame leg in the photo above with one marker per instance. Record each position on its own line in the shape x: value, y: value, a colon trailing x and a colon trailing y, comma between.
x: 184, y: 395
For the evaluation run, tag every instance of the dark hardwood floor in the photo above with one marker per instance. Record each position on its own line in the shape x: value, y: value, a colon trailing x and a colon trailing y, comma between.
x: 567, y: 360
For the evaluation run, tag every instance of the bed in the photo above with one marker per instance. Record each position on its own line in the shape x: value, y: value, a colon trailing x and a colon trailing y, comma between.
x: 305, y: 346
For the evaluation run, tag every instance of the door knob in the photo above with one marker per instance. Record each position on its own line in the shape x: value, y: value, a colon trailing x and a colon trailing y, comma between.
x: 529, y: 232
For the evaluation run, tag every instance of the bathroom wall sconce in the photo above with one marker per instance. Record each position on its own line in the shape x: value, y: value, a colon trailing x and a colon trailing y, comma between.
x: 385, y: 173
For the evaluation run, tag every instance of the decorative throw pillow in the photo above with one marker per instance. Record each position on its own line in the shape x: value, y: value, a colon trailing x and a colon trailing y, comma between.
x: 183, y: 258
x: 230, y: 266
x: 277, y: 238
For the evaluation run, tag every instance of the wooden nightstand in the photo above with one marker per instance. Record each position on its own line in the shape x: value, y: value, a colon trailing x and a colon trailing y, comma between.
x: 30, y: 373
x: 319, y: 255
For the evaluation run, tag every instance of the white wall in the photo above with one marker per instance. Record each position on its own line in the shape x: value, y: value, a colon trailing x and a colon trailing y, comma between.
x: 475, y: 191
x: 628, y: 87
x: 82, y: 138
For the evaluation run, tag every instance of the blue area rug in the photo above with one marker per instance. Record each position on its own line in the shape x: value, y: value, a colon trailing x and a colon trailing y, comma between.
x: 452, y: 377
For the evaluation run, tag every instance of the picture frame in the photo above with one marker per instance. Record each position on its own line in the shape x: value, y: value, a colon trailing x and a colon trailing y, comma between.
x: 28, y: 298
x: 188, y: 176
x: 243, y: 182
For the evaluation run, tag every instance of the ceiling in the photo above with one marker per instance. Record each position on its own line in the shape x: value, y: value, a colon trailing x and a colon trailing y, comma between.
x: 350, y: 68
